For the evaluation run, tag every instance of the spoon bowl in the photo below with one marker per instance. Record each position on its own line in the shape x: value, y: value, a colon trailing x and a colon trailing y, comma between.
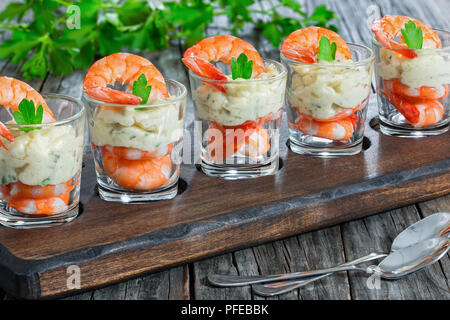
x: 436, y: 225
x: 413, y: 258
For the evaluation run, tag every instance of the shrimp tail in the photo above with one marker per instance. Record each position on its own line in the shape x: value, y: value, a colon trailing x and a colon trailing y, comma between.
x: 305, y: 55
x: 109, y: 95
x: 203, y: 68
x: 5, y: 133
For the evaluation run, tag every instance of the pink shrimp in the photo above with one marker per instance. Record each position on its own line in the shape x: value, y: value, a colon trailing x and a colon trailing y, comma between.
x: 339, y: 130
x: 137, y: 154
x: 42, y: 206
x: 256, y: 144
x: 432, y: 93
x: 303, y: 45
x: 12, y: 92
x: 388, y: 28
x: 419, y: 113
x: 220, y: 48
x: 21, y: 190
x: 137, y: 174
x: 126, y: 68
x: 5, y: 192
x: 225, y: 141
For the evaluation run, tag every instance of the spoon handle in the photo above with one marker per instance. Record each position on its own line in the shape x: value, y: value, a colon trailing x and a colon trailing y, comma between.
x: 236, y: 281
x: 277, y: 288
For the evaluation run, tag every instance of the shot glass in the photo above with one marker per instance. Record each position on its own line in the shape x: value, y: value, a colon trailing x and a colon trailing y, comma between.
x: 41, y: 170
x: 327, y: 103
x: 137, y: 148
x: 413, y: 98
x: 239, y: 122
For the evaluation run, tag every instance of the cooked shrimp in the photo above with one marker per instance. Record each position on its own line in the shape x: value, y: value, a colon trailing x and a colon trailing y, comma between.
x: 12, y: 92
x: 137, y: 174
x: 125, y: 68
x: 220, y: 48
x: 388, y: 28
x: 419, y: 113
x: 303, y: 45
x: 256, y: 144
x: 339, y: 130
x: 433, y: 93
x: 20, y: 190
x: 224, y: 142
x: 5, y: 193
x: 137, y: 154
x: 43, y: 206
x: 270, y: 117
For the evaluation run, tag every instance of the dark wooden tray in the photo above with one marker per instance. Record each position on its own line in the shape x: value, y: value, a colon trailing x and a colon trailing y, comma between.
x: 112, y: 242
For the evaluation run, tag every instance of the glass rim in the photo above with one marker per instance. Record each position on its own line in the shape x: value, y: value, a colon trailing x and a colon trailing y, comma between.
x: 181, y: 96
x: 73, y: 117
x: 376, y: 42
x: 246, y: 81
x: 363, y: 62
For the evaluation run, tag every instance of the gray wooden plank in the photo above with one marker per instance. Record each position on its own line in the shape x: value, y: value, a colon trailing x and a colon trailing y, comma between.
x: 322, y: 249
x: 430, y: 12
x: 221, y: 265
x: 312, y: 250
x: 169, y: 284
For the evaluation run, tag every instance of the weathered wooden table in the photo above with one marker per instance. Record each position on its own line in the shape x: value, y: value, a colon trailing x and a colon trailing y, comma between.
x: 318, y: 249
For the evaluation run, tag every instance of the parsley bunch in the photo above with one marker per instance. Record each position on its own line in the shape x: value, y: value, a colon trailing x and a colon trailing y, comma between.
x: 49, y: 43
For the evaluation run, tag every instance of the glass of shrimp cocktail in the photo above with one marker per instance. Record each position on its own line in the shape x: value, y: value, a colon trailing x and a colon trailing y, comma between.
x: 413, y: 75
x: 41, y: 150
x: 327, y: 93
x: 136, y: 123
x: 238, y: 106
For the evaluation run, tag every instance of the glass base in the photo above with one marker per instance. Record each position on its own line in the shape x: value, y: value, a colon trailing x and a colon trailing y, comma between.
x: 324, y: 151
x: 108, y: 193
x: 234, y: 172
x: 13, y: 219
x: 405, y: 132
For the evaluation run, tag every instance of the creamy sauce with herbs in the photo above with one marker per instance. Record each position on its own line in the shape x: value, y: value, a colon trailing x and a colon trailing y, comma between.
x: 430, y: 68
x: 324, y: 89
x: 50, y: 155
x: 145, y: 129
x: 242, y: 101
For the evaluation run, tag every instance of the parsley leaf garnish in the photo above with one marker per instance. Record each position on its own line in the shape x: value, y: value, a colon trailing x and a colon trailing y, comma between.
x: 413, y: 35
x: 241, y: 68
x: 141, y: 89
x: 28, y: 114
x: 327, y: 51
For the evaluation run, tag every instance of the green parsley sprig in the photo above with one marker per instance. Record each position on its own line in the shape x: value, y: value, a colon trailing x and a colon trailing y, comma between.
x: 28, y: 114
x: 327, y: 51
x: 412, y: 35
x: 241, y: 68
x: 46, y: 43
x: 141, y: 89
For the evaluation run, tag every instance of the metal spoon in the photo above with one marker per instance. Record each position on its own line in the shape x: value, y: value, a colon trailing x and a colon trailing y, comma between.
x: 435, y: 225
x: 395, y: 265
x: 229, y: 280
